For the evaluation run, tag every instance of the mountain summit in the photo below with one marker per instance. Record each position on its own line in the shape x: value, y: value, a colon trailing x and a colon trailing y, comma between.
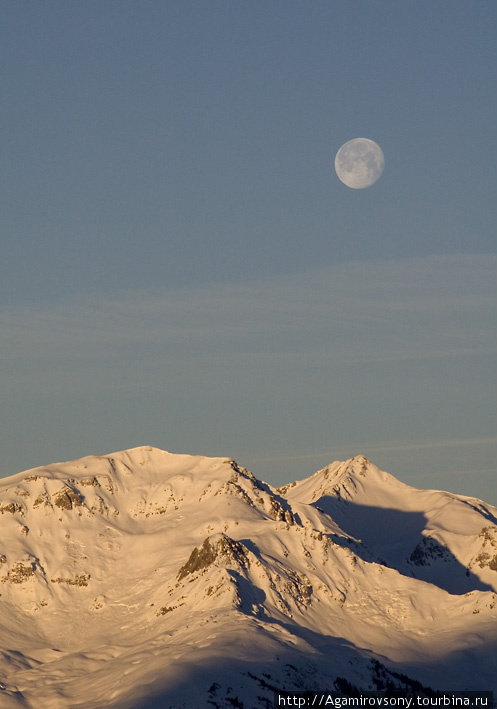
x: 144, y: 579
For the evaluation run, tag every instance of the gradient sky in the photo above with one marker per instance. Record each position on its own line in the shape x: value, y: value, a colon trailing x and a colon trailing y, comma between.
x: 181, y: 267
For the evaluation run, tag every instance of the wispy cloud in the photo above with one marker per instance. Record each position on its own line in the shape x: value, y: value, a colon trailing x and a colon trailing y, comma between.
x: 382, y: 311
x: 382, y: 447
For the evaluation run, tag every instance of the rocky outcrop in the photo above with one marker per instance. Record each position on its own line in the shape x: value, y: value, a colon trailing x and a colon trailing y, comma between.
x: 219, y: 548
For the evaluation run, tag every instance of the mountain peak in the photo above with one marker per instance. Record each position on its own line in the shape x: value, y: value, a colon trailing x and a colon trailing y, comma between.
x: 346, y: 479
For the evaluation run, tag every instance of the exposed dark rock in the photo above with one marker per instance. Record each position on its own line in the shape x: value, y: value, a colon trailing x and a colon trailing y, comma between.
x: 90, y: 482
x: 485, y: 559
x: 20, y: 572
x: 12, y: 507
x: 67, y: 498
x: 42, y: 499
x: 79, y: 580
x: 428, y: 550
x: 227, y: 550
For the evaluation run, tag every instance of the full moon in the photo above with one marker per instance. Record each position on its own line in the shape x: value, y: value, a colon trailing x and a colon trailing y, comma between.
x: 359, y: 163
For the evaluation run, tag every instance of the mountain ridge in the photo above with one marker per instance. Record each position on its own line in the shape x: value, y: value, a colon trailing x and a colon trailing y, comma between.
x: 143, y: 567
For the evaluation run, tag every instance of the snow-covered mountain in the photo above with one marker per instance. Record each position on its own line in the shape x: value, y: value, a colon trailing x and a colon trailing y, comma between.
x: 144, y: 579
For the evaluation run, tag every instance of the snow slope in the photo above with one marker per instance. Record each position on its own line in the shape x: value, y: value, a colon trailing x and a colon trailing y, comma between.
x: 144, y: 579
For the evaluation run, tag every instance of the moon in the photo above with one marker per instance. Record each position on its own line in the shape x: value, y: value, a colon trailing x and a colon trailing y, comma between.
x: 359, y: 163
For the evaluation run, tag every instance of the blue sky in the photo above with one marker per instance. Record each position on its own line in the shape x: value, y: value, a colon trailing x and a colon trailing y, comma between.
x: 181, y: 267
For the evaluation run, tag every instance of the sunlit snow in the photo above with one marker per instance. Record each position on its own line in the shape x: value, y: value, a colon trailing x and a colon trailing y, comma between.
x: 144, y: 579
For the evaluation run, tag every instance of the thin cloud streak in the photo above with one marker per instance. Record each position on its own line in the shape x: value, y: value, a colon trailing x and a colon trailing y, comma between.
x: 380, y: 448
x: 413, y: 309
